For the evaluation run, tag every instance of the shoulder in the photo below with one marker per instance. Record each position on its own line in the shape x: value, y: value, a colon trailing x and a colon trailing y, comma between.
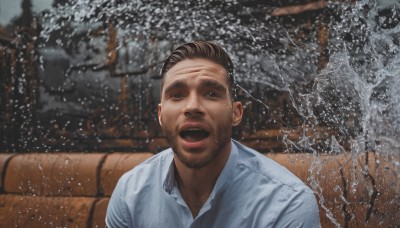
x: 286, y: 197
x: 267, y: 169
x: 148, y: 171
x: 134, y: 187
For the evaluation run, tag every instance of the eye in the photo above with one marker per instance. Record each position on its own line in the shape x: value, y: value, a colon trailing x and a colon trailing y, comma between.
x: 176, y: 95
x: 212, y: 94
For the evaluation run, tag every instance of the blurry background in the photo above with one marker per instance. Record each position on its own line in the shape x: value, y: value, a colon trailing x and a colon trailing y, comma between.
x: 84, y: 76
x: 316, y: 76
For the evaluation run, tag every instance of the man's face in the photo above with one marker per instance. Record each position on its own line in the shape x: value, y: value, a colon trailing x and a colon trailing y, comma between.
x: 196, y: 111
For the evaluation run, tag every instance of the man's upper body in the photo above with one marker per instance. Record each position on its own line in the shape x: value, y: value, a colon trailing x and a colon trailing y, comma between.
x: 199, y: 180
x: 251, y: 191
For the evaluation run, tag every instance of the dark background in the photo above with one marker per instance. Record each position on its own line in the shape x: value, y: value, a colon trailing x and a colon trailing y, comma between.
x: 95, y: 86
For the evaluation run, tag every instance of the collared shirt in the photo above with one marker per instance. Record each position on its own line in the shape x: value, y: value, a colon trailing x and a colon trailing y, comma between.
x: 251, y: 191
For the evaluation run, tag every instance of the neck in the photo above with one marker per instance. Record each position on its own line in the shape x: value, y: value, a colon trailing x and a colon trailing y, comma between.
x: 196, y: 184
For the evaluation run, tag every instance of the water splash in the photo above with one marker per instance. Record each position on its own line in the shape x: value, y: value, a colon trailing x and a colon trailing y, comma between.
x: 350, y: 106
x: 353, y: 97
x: 365, y: 73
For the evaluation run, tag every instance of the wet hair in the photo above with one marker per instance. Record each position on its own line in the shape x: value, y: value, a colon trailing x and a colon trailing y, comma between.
x: 202, y: 49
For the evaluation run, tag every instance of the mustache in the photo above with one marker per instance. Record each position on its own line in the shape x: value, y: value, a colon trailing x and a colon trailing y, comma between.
x: 177, y: 128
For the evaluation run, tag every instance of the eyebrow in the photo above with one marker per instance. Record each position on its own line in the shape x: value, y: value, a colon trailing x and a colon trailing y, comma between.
x: 179, y: 84
x: 214, y: 84
x: 175, y: 85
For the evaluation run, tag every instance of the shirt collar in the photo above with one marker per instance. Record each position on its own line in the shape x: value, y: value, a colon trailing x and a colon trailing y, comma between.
x: 226, y: 172
x: 169, y: 179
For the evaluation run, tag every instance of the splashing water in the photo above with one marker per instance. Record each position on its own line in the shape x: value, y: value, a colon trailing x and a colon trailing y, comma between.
x: 364, y: 75
x: 350, y: 105
x: 356, y: 93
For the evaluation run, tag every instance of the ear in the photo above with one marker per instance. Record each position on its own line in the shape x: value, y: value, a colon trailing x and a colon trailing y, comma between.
x: 159, y: 114
x: 237, y: 113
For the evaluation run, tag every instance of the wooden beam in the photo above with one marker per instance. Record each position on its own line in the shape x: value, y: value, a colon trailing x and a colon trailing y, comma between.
x: 5, y: 40
x: 291, y: 10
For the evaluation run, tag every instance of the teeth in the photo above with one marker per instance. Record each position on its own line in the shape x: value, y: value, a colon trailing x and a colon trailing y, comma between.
x: 194, y: 129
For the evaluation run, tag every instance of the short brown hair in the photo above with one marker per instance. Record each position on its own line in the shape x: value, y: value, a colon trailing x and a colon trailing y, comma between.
x: 201, y: 49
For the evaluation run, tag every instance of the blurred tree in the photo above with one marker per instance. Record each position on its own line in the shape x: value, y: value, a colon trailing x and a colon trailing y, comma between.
x: 26, y: 17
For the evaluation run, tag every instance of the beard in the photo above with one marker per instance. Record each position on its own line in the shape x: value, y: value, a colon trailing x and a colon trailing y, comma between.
x: 222, y: 134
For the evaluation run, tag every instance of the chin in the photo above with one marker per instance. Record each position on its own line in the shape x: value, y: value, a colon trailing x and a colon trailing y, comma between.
x: 196, y: 159
x: 199, y: 156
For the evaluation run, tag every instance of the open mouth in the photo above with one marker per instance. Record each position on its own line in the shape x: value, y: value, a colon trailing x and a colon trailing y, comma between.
x: 194, y: 134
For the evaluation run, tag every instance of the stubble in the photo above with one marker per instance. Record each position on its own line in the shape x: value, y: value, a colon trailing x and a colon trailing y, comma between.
x: 223, y: 135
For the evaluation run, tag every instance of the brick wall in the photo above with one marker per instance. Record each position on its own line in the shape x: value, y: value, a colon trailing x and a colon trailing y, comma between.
x: 73, y: 189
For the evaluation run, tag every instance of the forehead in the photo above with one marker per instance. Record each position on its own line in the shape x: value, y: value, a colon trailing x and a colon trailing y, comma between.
x: 194, y: 68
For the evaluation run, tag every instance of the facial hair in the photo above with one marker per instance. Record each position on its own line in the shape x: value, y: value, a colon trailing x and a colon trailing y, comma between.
x: 223, y: 133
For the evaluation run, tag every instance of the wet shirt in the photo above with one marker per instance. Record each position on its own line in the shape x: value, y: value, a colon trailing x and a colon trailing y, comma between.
x: 251, y: 191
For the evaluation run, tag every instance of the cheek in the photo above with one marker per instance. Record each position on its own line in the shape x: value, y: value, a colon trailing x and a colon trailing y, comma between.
x: 222, y: 112
x: 170, y: 112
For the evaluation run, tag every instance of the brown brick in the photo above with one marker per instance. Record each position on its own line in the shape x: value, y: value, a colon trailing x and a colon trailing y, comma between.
x: 330, y: 215
x: 387, y: 175
x: 42, y: 212
x: 328, y: 178
x: 4, y: 158
x: 58, y: 174
x: 264, y: 145
x: 99, y: 214
x: 386, y: 205
x: 345, y: 186
x: 117, y: 164
x: 158, y: 144
x: 358, y: 173
x: 381, y: 216
x: 270, y: 133
x: 325, y: 176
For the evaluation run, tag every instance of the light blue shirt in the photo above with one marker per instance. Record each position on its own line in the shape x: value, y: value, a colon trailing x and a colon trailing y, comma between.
x: 251, y: 191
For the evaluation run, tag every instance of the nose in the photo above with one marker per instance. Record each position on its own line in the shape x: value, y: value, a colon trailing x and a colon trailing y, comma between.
x: 193, y: 106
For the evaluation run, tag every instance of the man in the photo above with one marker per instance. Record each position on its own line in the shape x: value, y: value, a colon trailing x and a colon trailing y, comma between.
x: 206, y: 179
